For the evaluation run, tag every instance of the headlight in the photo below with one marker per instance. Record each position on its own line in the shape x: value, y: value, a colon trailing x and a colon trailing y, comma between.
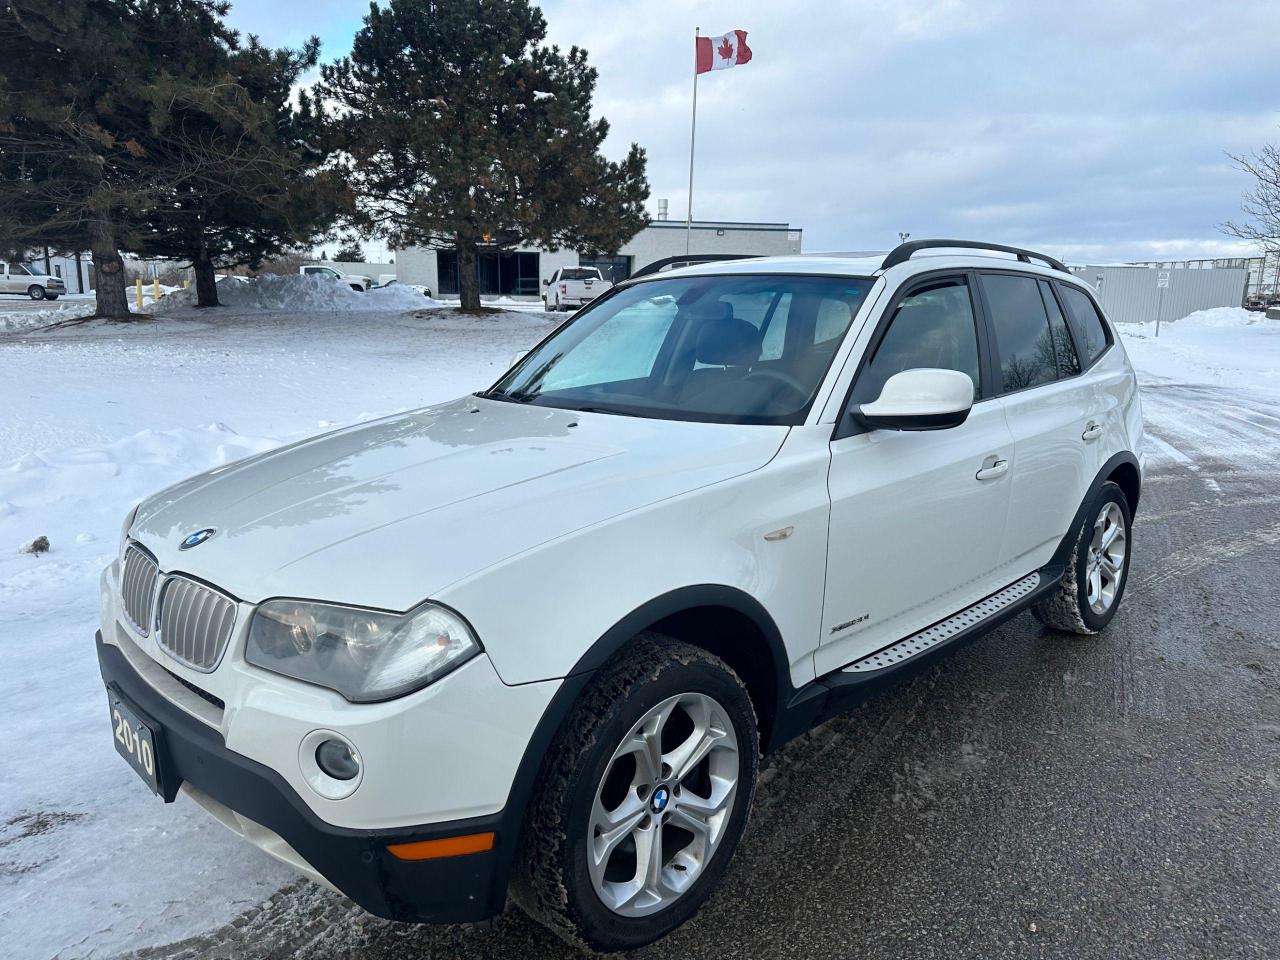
x: 365, y: 655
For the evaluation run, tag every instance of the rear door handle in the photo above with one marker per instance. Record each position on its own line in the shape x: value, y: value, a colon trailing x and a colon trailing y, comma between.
x: 1092, y: 430
x: 993, y: 467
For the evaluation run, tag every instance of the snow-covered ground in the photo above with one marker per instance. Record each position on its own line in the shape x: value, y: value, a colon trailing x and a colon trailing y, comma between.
x: 1226, y: 346
x: 95, y: 416
x: 268, y: 293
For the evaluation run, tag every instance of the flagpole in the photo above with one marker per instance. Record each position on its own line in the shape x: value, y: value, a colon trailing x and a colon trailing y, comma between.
x: 693, y: 132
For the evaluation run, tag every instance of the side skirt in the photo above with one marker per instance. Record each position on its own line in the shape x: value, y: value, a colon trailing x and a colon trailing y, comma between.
x: 843, y: 689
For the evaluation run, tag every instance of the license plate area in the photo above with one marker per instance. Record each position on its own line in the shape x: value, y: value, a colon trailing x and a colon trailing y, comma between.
x: 135, y: 736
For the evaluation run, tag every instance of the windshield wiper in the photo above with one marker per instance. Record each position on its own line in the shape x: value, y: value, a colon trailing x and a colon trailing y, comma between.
x: 611, y: 410
x: 507, y: 397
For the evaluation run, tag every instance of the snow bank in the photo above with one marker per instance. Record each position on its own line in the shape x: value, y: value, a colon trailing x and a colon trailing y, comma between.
x: 22, y: 321
x: 1225, y: 346
x: 298, y: 294
x: 1220, y: 317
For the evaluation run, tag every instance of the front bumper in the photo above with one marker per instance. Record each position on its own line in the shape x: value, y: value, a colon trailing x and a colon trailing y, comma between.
x: 356, y: 862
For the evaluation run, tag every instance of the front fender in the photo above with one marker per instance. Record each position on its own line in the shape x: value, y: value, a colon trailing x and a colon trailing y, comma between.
x: 565, y: 606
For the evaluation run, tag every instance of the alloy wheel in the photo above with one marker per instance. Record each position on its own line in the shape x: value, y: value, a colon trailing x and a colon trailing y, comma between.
x: 1108, y: 552
x: 663, y: 805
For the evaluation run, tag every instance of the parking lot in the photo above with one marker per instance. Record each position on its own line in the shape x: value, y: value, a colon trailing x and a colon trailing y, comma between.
x: 1033, y: 796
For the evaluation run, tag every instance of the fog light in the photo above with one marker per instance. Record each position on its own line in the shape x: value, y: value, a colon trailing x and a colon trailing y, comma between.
x: 337, y: 760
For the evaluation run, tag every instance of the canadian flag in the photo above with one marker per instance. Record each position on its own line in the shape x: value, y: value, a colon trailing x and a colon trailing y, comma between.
x: 721, y: 53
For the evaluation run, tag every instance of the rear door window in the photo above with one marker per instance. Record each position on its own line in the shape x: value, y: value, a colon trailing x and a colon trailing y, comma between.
x: 1024, y: 342
x: 1085, y: 322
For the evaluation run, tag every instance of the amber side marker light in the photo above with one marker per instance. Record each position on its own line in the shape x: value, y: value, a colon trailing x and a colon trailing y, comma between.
x: 446, y: 847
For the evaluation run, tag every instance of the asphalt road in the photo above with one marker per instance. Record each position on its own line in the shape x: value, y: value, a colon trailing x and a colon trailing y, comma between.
x: 1033, y: 796
x: 14, y: 303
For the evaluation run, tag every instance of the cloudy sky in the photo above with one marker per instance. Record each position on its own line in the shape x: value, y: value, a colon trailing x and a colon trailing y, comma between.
x: 1094, y: 130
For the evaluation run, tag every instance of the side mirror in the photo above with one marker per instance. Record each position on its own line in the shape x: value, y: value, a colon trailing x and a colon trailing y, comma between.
x: 546, y: 282
x: 921, y: 399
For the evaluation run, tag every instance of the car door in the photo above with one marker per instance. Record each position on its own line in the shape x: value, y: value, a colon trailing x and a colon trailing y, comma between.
x: 1050, y: 408
x: 916, y: 517
x: 6, y: 285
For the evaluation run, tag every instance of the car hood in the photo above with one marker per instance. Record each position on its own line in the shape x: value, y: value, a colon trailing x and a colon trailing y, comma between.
x: 388, y: 513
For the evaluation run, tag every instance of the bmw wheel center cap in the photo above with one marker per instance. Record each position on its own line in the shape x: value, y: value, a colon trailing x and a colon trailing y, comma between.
x: 661, y: 797
x: 197, y: 538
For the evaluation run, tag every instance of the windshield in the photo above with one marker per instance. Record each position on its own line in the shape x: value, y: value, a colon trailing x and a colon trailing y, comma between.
x: 727, y: 349
x: 579, y: 274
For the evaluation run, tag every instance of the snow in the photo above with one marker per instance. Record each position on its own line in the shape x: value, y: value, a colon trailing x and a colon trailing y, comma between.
x: 300, y: 293
x: 1225, y: 346
x: 98, y: 415
x: 265, y: 294
x: 31, y: 319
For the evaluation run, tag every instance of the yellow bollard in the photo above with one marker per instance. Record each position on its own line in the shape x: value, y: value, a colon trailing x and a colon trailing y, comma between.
x: 155, y: 288
x: 138, y: 284
x: 185, y: 284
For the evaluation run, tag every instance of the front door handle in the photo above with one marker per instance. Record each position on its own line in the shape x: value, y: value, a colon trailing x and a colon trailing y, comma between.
x: 993, y: 467
x: 1092, y: 430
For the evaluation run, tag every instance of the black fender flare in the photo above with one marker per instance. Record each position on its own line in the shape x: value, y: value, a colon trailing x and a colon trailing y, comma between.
x: 1062, y: 556
x: 677, y: 601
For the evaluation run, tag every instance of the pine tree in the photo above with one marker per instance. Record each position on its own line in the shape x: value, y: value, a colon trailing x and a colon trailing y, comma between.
x: 143, y: 125
x: 463, y: 128
x: 252, y: 184
x: 72, y: 121
x: 350, y: 251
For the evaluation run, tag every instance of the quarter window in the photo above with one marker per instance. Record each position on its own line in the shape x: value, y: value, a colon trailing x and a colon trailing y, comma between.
x: 1064, y: 350
x: 1084, y: 320
x: 932, y: 327
x: 1024, y: 342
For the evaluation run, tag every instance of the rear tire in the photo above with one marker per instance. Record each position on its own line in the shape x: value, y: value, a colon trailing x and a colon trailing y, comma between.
x: 619, y: 847
x: 1093, y: 584
x: 36, y: 292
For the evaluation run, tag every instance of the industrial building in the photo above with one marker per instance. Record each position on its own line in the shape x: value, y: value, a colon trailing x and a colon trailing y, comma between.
x: 1263, y: 271
x: 1141, y: 293
x: 519, y: 272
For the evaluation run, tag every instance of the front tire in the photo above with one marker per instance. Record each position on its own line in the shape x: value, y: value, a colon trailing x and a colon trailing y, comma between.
x: 36, y: 292
x: 1093, y: 584
x: 642, y: 800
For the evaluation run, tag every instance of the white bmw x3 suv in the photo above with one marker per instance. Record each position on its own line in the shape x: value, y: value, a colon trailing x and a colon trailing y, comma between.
x: 533, y: 642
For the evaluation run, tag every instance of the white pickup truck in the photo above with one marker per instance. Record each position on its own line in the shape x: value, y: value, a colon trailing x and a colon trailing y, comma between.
x: 572, y: 287
x: 353, y: 280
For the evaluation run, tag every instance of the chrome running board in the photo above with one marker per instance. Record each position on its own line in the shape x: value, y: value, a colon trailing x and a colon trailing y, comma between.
x: 970, y: 616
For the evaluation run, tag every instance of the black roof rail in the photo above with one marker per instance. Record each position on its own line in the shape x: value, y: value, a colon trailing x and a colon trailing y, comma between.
x: 903, y: 251
x: 689, y: 258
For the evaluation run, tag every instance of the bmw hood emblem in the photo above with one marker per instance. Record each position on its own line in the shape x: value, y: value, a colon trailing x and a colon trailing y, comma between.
x: 197, y: 538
